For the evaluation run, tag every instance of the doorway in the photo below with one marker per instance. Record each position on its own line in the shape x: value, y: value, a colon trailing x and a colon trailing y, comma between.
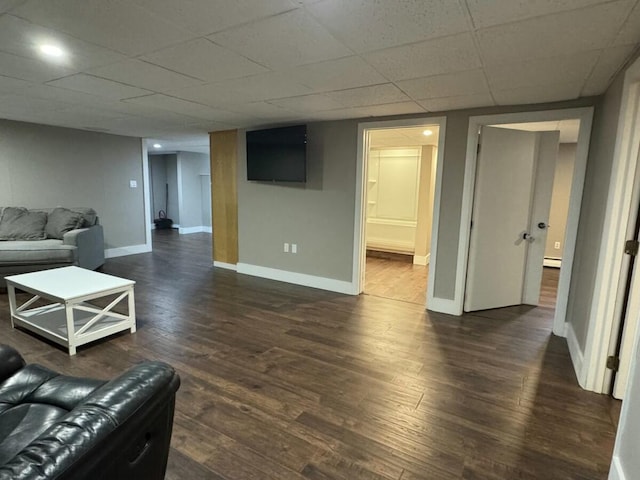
x: 396, y: 209
x: 523, y: 185
x: 401, y: 171
x: 584, y: 115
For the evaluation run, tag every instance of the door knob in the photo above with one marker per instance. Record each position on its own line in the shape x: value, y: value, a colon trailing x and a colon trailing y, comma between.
x: 528, y: 237
x: 543, y: 225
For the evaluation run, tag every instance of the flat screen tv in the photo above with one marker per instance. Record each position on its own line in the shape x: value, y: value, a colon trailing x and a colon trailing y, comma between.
x: 277, y: 154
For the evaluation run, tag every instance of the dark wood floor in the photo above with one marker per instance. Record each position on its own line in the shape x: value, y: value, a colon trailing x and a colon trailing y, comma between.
x: 287, y: 382
x: 396, y: 277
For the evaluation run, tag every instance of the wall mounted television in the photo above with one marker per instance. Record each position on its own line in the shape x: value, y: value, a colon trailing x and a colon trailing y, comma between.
x: 277, y: 154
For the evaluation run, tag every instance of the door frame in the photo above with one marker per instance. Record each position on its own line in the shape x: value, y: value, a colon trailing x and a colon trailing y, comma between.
x: 359, y: 238
x: 602, y: 322
x: 585, y: 115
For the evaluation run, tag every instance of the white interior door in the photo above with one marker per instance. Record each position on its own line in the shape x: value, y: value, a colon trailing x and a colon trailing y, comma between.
x: 547, y: 157
x: 500, y: 218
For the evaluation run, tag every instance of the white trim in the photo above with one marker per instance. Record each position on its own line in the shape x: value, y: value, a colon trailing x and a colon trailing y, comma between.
x: 129, y: 250
x: 421, y: 259
x: 577, y: 357
x: 226, y: 266
x: 397, y: 246
x: 313, y: 281
x: 146, y: 184
x: 585, y: 115
x: 199, y: 229
x: 359, y: 247
x: 616, y: 472
x: 552, y: 262
x: 602, y: 321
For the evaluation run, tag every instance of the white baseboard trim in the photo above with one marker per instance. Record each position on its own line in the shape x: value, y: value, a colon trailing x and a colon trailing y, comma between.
x: 443, y: 305
x: 421, y: 259
x: 199, y: 229
x: 577, y: 356
x: 124, y: 251
x: 227, y: 266
x: 552, y: 262
x: 313, y: 281
x: 616, y: 472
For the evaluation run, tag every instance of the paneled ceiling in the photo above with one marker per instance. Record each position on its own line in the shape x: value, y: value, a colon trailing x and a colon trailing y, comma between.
x: 171, y: 70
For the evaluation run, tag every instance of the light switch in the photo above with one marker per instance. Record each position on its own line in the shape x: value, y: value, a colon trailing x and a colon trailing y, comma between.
x: 133, y: 184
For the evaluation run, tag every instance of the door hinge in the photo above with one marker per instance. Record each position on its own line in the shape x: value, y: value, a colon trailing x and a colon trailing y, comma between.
x: 631, y: 247
x: 613, y: 363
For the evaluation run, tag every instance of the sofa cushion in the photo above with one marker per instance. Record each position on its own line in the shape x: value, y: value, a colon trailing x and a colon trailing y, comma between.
x: 44, y: 252
x: 19, y: 223
x: 88, y: 214
x: 62, y: 220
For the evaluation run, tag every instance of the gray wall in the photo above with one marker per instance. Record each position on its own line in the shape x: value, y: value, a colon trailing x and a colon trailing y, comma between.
x: 43, y: 166
x: 158, y: 174
x: 560, y: 200
x: 594, y: 201
x: 173, y: 209
x: 191, y: 167
x: 318, y: 216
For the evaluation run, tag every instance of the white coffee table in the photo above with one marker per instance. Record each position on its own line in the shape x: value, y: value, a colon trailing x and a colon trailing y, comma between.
x: 71, y: 320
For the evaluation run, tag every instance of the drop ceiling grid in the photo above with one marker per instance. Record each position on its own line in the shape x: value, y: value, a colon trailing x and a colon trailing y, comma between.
x: 288, y: 60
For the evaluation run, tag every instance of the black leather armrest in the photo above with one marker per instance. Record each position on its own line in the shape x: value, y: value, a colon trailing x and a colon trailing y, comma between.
x: 122, y: 430
x: 10, y: 361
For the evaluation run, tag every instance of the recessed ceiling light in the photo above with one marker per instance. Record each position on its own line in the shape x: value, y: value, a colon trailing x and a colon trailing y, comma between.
x: 426, y: 133
x: 51, y: 50
x: 157, y: 145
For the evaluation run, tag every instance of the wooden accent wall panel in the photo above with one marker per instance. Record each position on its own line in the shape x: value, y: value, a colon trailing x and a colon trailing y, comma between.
x: 224, y: 195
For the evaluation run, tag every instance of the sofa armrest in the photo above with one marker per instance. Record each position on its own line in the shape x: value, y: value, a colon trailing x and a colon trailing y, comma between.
x: 122, y: 430
x: 90, y: 244
x: 10, y: 361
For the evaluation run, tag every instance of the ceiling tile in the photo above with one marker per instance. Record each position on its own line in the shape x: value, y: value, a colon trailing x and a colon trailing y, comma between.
x: 565, y: 33
x: 469, y: 82
x: 9, y: 85
x: 265, y: 86
x: 371, y: 111
x: 264, y: 111
x: 347, y: 72
x: 22, y: 104
x: 365, y: 26
x: 609, y: 63
x: 31, y: 70
x: 457, y: 102
x: 286, y: 40
x: 183, y: 107
x: 208, y: 16
x: 144, y: 75
x: 630, y: 31
x: 433, y: 57
x: 307, y: 103
x: 115, y: 24
x: 537, y: 94
x: 7, y: 5
x: 371, y: 95
x: 98, y: 86
x: 542, y: 71
x: 486, y: 14
x: 22, y: 38
x: 203, y: 59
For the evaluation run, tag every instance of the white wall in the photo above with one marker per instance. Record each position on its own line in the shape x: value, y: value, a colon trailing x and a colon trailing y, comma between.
x: 44, y: 166
x: 392, y: 199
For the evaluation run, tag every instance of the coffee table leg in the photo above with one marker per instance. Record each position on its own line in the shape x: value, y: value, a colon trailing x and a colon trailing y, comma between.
x: 132, y: 310
x: 11, y: 291
x: 71, y: 331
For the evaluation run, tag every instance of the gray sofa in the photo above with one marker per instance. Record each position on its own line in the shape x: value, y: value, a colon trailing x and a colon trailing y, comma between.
x: 41, y: 238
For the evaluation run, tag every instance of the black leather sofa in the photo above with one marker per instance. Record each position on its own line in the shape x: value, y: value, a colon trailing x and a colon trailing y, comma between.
x: 59, y: 427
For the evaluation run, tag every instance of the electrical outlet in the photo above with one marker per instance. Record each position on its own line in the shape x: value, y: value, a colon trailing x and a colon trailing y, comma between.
x: 556, y: 245
x: 294, y: 248
x: 133, y: 184
x: 286, y: 248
